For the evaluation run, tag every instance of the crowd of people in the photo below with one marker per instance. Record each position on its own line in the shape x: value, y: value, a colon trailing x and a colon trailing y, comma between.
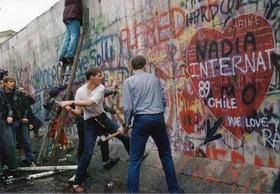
x: 143, y: 100
x: 17, y: 119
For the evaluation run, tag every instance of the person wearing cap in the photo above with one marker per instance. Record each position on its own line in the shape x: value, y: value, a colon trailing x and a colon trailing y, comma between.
x: 52, y: 114
x: 72, y: 18
x: 143, y: 98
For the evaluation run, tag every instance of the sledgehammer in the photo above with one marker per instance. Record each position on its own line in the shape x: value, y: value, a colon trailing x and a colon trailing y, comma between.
x: 103, y: 138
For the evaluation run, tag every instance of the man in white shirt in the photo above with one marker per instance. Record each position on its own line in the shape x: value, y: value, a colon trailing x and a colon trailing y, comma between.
x: 90, y: 97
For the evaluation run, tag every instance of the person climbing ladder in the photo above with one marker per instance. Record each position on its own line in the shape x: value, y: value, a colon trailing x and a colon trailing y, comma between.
x: 72, y: 18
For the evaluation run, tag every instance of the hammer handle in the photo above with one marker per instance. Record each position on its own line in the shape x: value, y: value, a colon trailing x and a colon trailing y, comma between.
x: 112, y: 135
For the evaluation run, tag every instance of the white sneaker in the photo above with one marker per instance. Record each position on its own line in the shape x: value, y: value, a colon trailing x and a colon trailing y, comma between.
x: 72, y: 179
x: 32, y: 164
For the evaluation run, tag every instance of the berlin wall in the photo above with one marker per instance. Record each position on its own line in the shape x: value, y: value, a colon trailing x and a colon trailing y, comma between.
x: 218, y: 61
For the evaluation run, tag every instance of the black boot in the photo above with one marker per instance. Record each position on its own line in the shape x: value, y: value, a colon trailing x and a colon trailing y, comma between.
x: 110, y: 163
x: 69, y: 60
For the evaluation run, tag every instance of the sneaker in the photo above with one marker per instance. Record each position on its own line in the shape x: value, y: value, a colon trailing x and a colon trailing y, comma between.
x: 38, y: 135
x: 77, y: 188
x: 32, y: 164
x: 72, y: 179
x: 110, y: 163
x: 63, y: 60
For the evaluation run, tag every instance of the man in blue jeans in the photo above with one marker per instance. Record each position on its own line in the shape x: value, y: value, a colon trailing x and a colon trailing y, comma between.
x: 143, y: 97
x: 72, y: 18
x: 90, y: 98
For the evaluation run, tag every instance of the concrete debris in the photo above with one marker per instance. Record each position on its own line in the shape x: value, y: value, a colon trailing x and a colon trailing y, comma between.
x: 42, y: 168
x: 11, y: 180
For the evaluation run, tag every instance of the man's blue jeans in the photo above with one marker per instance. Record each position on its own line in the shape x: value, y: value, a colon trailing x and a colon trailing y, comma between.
x: 92, y: 130
x: 7, y: 147
x: 21, y: 130
x: 144, y: 126
x: 71, y: 37
x: 104, y: 145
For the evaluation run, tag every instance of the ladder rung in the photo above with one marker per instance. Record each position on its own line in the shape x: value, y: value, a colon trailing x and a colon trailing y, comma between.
x: 68, y: 64
x: 66, y: 74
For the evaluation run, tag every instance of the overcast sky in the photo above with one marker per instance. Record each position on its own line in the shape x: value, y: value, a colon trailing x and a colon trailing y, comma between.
x: 16, y: 14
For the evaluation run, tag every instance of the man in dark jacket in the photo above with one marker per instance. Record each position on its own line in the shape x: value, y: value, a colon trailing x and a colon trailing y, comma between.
x: 16, y: 106
x: 72, y: 18
x: 34, y: 123
x: 7, y: 147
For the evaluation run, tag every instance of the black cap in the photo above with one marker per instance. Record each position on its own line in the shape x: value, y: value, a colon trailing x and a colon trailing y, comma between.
x: 56, y: 90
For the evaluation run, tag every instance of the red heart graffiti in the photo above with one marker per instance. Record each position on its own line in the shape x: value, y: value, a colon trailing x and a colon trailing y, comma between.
x: 231, y: 70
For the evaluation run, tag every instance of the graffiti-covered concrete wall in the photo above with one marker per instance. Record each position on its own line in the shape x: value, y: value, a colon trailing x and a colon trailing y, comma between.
x: 218, y: 61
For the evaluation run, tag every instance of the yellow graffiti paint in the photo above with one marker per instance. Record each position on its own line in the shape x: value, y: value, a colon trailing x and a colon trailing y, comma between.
x: 272, y: 98
x: 221, y: 130
x: 154, y: 57
x: 247, y: 137
x: 262, y: 139
x: 181, y: 82
x: 197, y: 106
x: 170, y: 70
x: 216, y: 22
x: 187, y: 35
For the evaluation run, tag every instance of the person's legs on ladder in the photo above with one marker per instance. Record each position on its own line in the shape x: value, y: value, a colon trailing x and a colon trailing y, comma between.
x: 65, y: 43
x: 74, y: 27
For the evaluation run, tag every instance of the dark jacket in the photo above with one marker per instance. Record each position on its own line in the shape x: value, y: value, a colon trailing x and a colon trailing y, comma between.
x: 32, y: 119
x: 107, y: 108
x: 2, y: 106
x: 31, y: 100
x: 21, y: 105
x: 73, y: 10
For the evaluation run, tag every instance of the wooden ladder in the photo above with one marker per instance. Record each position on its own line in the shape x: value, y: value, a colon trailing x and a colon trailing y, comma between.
x: 61, y: 81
